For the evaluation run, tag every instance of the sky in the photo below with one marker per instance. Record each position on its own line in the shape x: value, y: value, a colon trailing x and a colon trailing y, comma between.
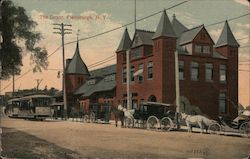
x: 92, y: 17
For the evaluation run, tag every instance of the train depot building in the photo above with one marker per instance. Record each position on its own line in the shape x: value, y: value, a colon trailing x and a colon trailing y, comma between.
x: 208, y: 71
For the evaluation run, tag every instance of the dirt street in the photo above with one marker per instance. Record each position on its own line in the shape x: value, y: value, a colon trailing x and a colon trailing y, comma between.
x: 66, y: 139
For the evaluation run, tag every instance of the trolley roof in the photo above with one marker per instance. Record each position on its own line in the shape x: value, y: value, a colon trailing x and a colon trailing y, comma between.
x: 35, y: 96
x: 157, y: 104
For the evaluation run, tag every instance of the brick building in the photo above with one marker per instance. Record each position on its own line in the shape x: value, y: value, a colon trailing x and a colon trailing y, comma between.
x: 207, y: 71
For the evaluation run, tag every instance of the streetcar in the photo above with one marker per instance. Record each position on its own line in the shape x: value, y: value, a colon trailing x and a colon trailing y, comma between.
x: 30, y: 107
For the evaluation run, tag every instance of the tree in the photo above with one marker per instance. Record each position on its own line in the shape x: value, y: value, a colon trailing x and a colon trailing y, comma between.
x: 248, y: 108
x: 18, y: 30
x: 240, y: 107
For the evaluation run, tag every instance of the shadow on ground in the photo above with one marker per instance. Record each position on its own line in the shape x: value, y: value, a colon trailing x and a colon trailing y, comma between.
x: 17, y: 144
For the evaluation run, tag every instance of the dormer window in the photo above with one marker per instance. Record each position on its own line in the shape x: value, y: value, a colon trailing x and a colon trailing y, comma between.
x: 109, y: 78
x: 197, y: 48
x: 202, y: 49
x: 91, y: 82
x: 136, y: 53
x: 206, y: 49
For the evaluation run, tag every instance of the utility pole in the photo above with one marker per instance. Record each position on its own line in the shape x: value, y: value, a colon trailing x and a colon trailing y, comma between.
x: 135, y: 15
x: 177, y: 89
x: 62, y: 31
x: 128, y: 79
x: 38, y: 82
x: 13, y: 80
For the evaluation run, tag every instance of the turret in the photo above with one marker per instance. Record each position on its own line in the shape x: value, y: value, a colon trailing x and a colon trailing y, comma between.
x: 227, y: 46
x: 77, y: 72
x: 164, y: 41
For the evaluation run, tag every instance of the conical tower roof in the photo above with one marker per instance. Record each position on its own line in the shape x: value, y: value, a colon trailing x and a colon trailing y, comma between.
x: 164, y: 27
x: 178, y: 27
x: 76, y: 65
x: 125, y: 42
x: 226, y: 37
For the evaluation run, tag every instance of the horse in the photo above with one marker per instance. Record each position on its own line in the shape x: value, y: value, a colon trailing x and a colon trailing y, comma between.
x: 197, y: 120
x: 129, y: 115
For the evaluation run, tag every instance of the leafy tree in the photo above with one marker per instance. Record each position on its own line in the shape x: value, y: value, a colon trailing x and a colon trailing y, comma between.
x: 240, y: 107
x: 248, y: 108
x: 18, y: 30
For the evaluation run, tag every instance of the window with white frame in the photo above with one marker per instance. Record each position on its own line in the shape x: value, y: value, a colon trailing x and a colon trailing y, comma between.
x: 132, y: 71
x: 209, y: 72
x: 222, y: 103
x: 181, y: 70
x: 197, y: 48
x: 140, y: 76
x: 91, y: 82
x: 206, y: 49
x: 194, y: 71
x: 124, y: 75
x: 150, y: 70
x: 223, y: 72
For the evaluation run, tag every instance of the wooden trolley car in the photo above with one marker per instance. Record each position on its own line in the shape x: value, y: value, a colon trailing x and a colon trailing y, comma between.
x: 30, y: 107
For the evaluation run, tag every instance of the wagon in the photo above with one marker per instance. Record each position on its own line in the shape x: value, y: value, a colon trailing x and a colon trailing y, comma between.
x: 240, y: 126
x: 98, y: 113
x: 153, y: 116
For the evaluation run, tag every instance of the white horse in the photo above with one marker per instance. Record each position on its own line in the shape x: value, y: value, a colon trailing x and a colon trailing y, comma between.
x: 127, y: 113
x: 197, y: 120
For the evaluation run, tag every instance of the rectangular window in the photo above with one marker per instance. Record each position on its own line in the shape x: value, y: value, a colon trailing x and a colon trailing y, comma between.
x: 181, y: 70
x: 197, y: 48
x: 124, y: 75
x: 222, y: 103
x: 140, y: 76
x: 91, y: 82
x: 206, y: 49
x: 136, y: 53
x: 223, y: 71
x: 132, y: 71
x: 194, y: 71
x: 150, y: 70
x: 135, y: 104
x: 209, y: 72
x: 124, y: 57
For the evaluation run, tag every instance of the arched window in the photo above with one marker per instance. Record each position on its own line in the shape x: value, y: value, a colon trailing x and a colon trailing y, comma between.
x: 152, y: 98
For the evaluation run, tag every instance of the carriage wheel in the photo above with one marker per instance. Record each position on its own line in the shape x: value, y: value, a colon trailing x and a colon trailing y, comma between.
x: 129, y: 122
x: 153, y: 123
x: 86, y: 118
x: 214, y: 128
x: 245, y: 129
x: 166, y: 124
x: 92, y: 117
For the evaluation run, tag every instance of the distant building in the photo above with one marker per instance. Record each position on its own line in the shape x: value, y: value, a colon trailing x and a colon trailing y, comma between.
x: 86, y: 89
x: 208, y: 72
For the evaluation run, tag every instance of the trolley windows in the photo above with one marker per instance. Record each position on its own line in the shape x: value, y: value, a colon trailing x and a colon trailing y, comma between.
x: 40, y: 102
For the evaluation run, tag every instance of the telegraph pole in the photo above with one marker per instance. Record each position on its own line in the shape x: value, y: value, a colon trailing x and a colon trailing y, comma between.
x: 62, y: 31
x: 38, y: 82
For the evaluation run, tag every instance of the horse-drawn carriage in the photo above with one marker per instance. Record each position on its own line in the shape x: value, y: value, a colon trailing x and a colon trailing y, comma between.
x: 151, y: 115
x: 98, y: 113
x: 240, y: 125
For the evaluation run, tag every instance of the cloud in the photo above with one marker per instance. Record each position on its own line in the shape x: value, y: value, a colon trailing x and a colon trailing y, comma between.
x: 243, y: 2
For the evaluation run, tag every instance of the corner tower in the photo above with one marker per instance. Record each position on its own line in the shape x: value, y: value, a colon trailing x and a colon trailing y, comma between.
x: 76, y: 72
x: 227, y: 46
x: 121, y: 60
x: 164, y: 41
